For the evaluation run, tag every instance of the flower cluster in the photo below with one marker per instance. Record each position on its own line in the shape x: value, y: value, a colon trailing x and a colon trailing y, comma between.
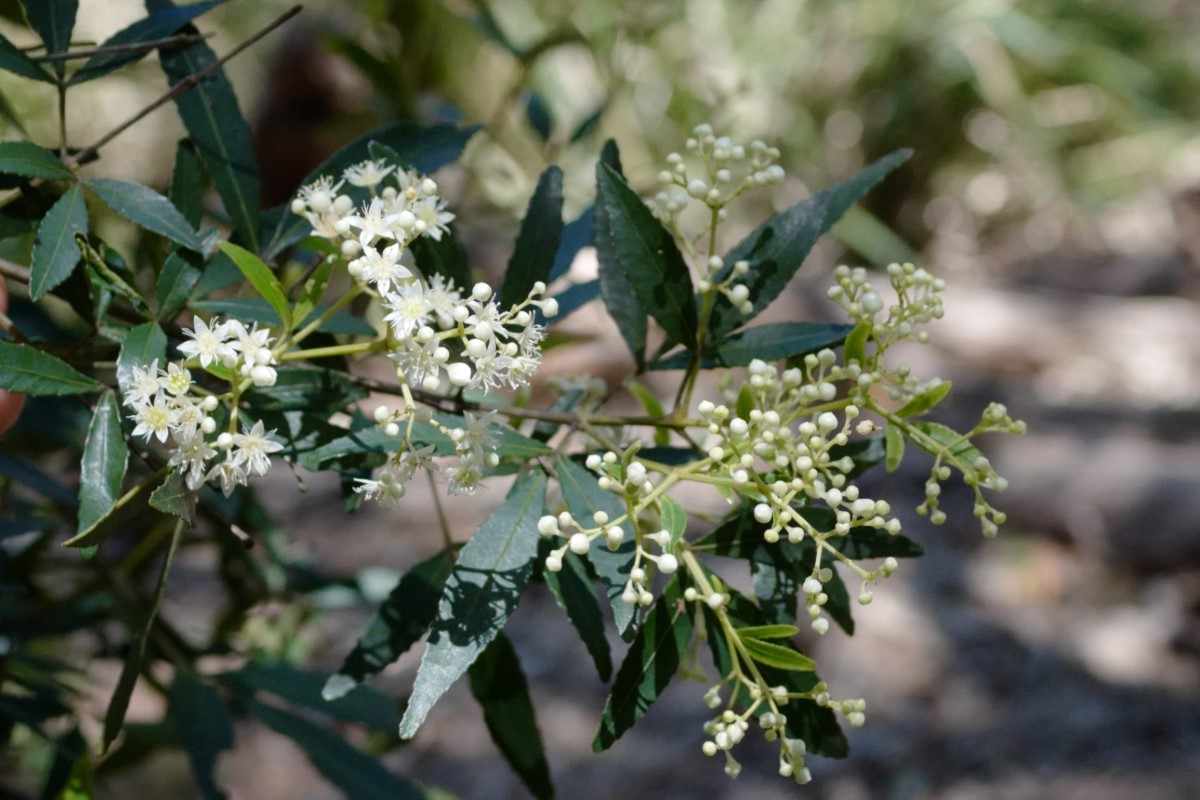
x: 728, y: 169
x: 167, y: 405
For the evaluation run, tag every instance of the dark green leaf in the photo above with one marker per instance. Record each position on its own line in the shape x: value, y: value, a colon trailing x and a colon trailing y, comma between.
x: 652, y: 406
x: 619, y: 298
x: 158, y: 25
x: 262, y: 278
x: 856, y: 343
x: 303, y: 688
x: 186, y: 191
x: 357, y: 774
x: 861, y: 542
x: 778, y: 247
x: 173, y: 497
x: 499, y: 685
x: 537, y: 243
x: 175, y: 284
x: 538, y: 114
x: 306, y: 389
x: 205, y: 728
x: 146, y: 208
x: 102, y: 469
x: 219, y: 273
x: 766, y: 342
x: 768, y: 631
x: 446, y: 257
x: 313, y: 289
x: 26, y: 369
x: 865, y: 453
x: 653, y: 659
x: 373, y: 440
x: 399, y: 622
x: 143, y: 345
x: 576, y: 235
x: 55, y: 252
x: 480, y: 595
x: 778, y: 656
x: 674, y: 520
x: 69, y: 750
x: 53, y: 20
x: 423, y: 148
x: 114, y: 718
x: 924, y: 401
x: 895, y: 447
x: 256, y: 309
x: 12, y: 59
x: 838, y: 604
x: 776, y: 585
x: 584, y: 498
x: 220, y: 133
x: 645, y: 252
x: 30, y: 161
x: 572, y: 588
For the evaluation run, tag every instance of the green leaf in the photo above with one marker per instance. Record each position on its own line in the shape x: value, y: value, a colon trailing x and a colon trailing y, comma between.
x: 650, y: 403
x: 27, y: 370
x: 480, y: 595
x: 175, y: 284
x: 766, y: 342
x: 55, y: 252
x: 856, y: 344
x: 499, y: 685
x: 584, y: 498
x: 424, y: 148
x: 397, y: 625
x: 576, y: 235
x: 768, y: 632
x: 30, y: 161
x: 262, y: 278
x: 102, y: 470
x: 306, y: 389
x: 895, y: 447
x: 220, y: 133
x: 446, y: 257
x: 358, y: 775
x: 205, y: 728
x: 674, y: 520
x: 619, y: 298
x: 186, y: 191
x: 778, y: 247
x: 949, y: 441
x: 172, y: 497
x: 158, y: 25
x: 572, y: 588
x: 776, y: 584
x: 256, y: 309
x: 13, y: 60
x: 653, y: 659
x: 778, y: 656
x: 537, y: 242
x: 53, y: 20
x: 114, y: 718
x: 745, y: 402
x: 313, y: 289
x: 645, y: 252
x: 146, y: 208
x: 925, y: 401
x: 143, y: 345
x: 79, y: 783
x: 304, y: 688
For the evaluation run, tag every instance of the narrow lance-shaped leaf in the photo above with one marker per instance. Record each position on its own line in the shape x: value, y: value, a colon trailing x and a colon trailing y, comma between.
x: 172, y: 497
x: 537, y: 242
x: 584, y: 498
x: 205, y: 728
x: 767, y: 343
x: 645, y: 251
x: 778, y: 247
x: 500, y: 687
x: 262, y: 278
x: 143, y: 345
x: 300, y: 687
x: 480, y: 595
x: 114, y: 718
x: 14, y: 60
x: 186, y: 191
x: 576, y: 235
x: 25, y: 369
x: 146, y: 208
x: 573, y: 589
x: 895, y: 447
x: 619, y: 298
x: 653, y: 659
x: 778, y: 656
x: 175, y: 284
x: 102, y: 470
x: 158, y: 25
x: 221, y: 134
x: 31, y: 161
x: 399, y: 622
x: 925, y: 401
x: 357, y: 774
x: 55, y: 252
x: 54, y: 20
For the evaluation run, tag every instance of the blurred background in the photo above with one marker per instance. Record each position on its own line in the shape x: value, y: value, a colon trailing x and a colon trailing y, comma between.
x: 1055, y: 185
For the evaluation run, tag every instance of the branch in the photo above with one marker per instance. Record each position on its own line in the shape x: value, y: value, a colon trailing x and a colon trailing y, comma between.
x: 168, y: 41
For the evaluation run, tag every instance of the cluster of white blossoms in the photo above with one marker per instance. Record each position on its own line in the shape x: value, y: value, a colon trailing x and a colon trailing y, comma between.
x: 167, y: 405
x: 436, y: 333
x: 728, y: 169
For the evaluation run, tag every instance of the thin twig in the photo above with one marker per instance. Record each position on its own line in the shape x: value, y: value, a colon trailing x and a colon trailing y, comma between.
x: 184, y: 85
x: 14, y: 272
x: 167, y: 41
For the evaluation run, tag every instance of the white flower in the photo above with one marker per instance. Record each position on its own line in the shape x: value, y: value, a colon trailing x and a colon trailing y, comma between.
x: 410, y: 308
x: 465, y: 478
x: 154, y: 419
x: 253, y: 448
x: 187, y: 416
x: 207, y: 344
x: 478, y: 434
x: 142, y: 385
x: 367, y: 174
x: 373, y: 223
x: 443, y: 298
x: 431, y: 211
x: 191, y: 453
x: 381, y: 269
x: 176, y: 380
x: 231, y: 476
x: 253, y: 343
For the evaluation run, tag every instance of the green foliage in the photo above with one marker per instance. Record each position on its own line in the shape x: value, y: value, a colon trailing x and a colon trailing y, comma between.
x: 105, y: 458
x: 55, y: 252
x: 26, y: 369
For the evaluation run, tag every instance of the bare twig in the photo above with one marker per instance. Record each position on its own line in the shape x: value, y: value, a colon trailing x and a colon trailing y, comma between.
x: 167, y: 41
x: 14, y: 272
